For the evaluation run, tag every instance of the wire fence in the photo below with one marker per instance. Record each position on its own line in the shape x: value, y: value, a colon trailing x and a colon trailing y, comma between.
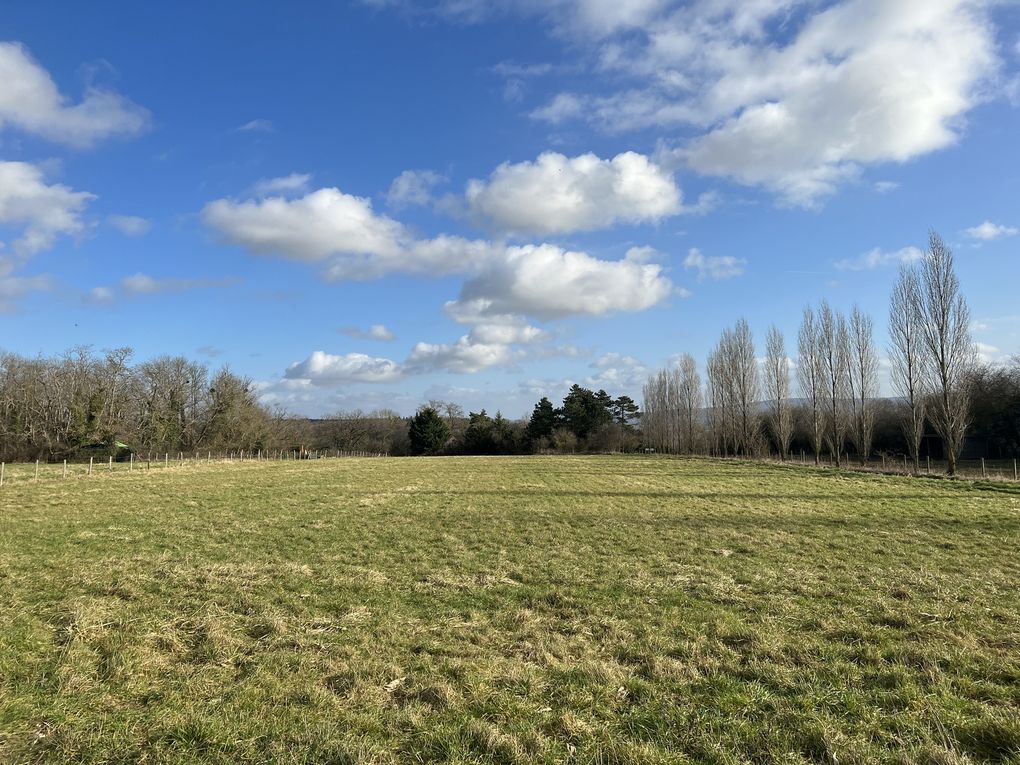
x: 25, y: 472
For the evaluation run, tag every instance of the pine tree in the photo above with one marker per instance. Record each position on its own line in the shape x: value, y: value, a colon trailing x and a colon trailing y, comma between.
x: 428, y: 431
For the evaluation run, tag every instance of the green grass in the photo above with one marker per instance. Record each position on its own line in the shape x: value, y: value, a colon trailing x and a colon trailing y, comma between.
x: 509, y: 610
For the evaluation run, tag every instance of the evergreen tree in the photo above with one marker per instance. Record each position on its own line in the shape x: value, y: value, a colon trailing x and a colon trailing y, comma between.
x: 625, y: 410
x: 584, y: 412
x: 543, y: 420
x: 428, y: 431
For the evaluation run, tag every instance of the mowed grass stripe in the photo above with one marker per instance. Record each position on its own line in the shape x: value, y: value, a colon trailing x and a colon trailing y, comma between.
x: 533, y: 609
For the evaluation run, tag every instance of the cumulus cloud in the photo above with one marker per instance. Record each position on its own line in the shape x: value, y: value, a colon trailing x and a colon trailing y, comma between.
x: 41, y: 211
x: 799, y: 112
x: 988, y: 231
x: 342, y: 232
x: 352, y: 241
x: 324, y: 369
x: 556, y: 194
x: 549, y: 282
x: 715, y: 266
x: 374, y: 332
x: 31, y: 102
x: 129, y: 225
x: 464, y: 356
x: 618, y: 372
x: 413, y: 188
x: 294, y: 183
x: 877, y: 258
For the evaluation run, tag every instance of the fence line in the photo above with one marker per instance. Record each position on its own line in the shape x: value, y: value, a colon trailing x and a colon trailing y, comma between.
x: 28, y: 472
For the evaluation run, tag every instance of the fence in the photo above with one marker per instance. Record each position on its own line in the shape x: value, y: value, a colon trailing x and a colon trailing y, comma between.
x: 21, y: 471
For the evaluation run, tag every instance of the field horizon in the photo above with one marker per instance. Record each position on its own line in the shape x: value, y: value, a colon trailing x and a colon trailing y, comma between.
x: 587, y: 609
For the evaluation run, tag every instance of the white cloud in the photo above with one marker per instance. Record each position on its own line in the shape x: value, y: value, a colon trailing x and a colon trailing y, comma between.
x: 343, y: 233
x: 884, y: 187
x: 562, y: 108
x: 549, y: 282
x: 101, y: 295
x: 141, y: 284
x: 30, y: 101
x: 323, y: 369
x: 801, y: 110
x: 314, y: 227
x: 413, y: 188
x: 987, y: 353
x: 878, y: 258
x: 463, y: 357
x: 257, y: 126
x: 374, y: 332
x: 713, y: 267
x: 557, y: 194
x: 286, y: 184
x: 618, y: 373
x: 41, y: 211
x: 129, y: 225
x: 988, y: 231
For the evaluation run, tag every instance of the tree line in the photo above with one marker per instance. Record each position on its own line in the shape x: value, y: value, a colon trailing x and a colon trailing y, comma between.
x: 819, y: 396
x: 80, y: 402
x: 746, y: 406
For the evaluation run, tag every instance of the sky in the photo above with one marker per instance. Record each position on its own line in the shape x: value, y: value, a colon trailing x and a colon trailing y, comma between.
x: 374, y: 203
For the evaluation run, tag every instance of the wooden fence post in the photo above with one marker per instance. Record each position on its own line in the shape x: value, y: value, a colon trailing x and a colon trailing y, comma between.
x: 111, y: 462
x: 37, y: 470
x: 131, y: 462
x: 982, y: 467
x: 2, y: 466
x: 90, y: 466
x: 166, y: 459
x: 65, y: 468
x: 928, y: 459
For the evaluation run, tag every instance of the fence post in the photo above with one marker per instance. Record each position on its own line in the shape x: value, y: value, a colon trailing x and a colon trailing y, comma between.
x: 65, y: 468
x: 2, y: 466
x: 928, y: 460
x: 1014, y: 469
x: 37, y: 470
x: 982, y: 467
x: 131, y: 462
x: 90, y: 465
x: 166, y: 459
x: 111, y: 462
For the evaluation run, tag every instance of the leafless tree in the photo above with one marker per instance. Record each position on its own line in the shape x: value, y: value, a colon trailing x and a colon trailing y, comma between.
x: 777, y: 387
x: 863, y: 378
x: 905, y: 354
x: 949, y: 357
x: 833, y: 344
x: 689, y: 400
x: 809, y: 376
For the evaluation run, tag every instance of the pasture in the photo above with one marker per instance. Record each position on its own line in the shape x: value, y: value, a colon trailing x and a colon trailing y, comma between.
x: 509, y: 610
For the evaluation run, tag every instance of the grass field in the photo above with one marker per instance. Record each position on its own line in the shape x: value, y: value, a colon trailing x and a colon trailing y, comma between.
x: 509, y: 610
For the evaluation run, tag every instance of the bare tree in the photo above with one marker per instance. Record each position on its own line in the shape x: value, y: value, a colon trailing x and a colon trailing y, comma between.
x: 863, y: 378
x: 809, y: 376
x: 777, y: 386
x: 689, y: 400
x: 833, y: 344
x: 949, y: 358
x: 905, y: 353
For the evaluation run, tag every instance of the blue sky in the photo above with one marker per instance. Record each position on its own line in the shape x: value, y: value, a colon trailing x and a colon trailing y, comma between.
x: 370, y: 204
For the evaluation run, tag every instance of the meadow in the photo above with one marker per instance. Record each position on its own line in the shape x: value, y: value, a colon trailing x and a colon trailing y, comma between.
x: 509, y: 610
